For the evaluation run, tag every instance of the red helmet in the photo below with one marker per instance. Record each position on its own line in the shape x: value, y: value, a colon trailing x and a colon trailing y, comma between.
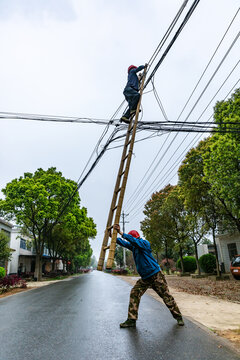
x: 134, y: 233
x: 131, y: 67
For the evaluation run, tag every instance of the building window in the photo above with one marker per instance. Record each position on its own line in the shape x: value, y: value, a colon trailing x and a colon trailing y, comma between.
x: 211, y: 249
x: 232, y: 250
x: 24, y: 244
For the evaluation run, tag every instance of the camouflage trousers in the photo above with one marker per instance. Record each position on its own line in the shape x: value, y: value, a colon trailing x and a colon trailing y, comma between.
x: 158, y: 283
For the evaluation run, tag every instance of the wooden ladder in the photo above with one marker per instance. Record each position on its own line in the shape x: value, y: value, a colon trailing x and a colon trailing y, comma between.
x: 120, y: 186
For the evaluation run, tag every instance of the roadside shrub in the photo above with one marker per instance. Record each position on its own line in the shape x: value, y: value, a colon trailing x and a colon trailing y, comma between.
x: 10, y: 282
x: 168, y: 264
x: 84, y: 271
x: 208, y: 263
x: 120, y: 271
x: 2, y: 272
x: 189, y: 264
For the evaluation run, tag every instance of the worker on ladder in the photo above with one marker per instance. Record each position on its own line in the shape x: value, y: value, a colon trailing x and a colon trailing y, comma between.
x: 131, y: 91
x: 151, y: 277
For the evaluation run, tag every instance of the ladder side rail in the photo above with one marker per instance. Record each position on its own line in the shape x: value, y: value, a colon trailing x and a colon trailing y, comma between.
x: 114, y: 199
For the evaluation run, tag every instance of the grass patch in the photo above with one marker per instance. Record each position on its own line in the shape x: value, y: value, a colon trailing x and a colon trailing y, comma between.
x: 57, y: 278
x: 61, y: 277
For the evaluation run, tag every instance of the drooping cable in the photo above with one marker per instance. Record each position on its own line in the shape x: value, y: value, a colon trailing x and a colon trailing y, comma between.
x: 184, y: 22
x: 206, y: 86
x: 166, y: 35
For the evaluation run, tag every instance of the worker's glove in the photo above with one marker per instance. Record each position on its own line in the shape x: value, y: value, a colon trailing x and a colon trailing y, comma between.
x: 116, y: 227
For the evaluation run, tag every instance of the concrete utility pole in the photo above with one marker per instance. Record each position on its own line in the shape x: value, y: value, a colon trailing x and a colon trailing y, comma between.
x: 124, y: 249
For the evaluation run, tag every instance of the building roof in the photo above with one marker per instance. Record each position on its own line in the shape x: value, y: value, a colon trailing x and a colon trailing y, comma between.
x: 4, y: 222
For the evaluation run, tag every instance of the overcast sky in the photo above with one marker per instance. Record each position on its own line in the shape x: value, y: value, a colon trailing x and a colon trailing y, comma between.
x: 70, y: 58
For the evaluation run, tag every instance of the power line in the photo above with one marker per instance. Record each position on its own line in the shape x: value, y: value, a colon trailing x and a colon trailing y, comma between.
x: 164, y: 113
x: 52, y: 118
x: 187, y: 147
x: 213, y: 75
x: 166, y: 35
x: 211, y: 59
x: 187, y: 17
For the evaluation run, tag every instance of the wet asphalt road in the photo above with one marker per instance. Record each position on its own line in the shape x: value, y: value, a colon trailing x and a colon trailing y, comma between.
x: 79, y: 319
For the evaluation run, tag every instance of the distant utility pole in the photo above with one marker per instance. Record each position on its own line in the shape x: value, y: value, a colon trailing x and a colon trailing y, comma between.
x: 123, y: 215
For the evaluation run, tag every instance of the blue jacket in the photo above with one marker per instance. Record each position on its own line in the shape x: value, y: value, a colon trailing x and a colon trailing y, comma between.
x: 133, y: 81
x: 142, y: 253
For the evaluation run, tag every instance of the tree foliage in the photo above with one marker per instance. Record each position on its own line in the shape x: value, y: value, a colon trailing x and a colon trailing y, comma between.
x: 153, y: 225
x: 209, y: 177
x: 165, y: 225
x: 207, y: 197
x: 5, y: 251
x: 2, y: 272
x: 119, y: 255
x: 221, y: 163
x: 35, y: 201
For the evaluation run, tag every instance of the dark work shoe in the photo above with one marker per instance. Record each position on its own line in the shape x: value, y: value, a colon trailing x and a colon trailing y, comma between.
x: 128, y: 323
x: 134, y: 111
x: 180, y: 322
x: 125, y: 119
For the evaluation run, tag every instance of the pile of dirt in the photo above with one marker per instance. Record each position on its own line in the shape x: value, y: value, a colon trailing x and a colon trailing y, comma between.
x: 232, y: 335
x: 223, y: 289
x: 13, y: 291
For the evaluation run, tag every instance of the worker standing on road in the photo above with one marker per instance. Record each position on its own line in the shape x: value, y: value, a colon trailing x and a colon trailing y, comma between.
x: 131, y: 91
x: 151, y: 277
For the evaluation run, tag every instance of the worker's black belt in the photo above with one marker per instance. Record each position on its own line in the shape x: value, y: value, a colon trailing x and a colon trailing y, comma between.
x: 134, y: 88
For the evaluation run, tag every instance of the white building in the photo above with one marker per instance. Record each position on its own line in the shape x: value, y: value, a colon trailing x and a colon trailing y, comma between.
x: 23, y: 253
x: 6, y: 227
x: 228, y: 246
x: 205, y: 249
x: 23, y: 259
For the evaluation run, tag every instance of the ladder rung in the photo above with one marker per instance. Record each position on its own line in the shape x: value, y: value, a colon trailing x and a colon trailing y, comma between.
x: 114, y: 208
x: 118, y: 190
x: 110, y: 227
x: 120, y: 175
x: 125, y: 157
x: 129, y: 142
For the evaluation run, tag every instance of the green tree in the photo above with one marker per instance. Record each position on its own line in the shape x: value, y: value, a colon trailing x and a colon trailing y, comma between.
x: 153, y: 225
x: 119, y: 255
x: 83, y: 257
x: 5, y: 251
x: 165, y: 225
x: 222, y: 171
x: 221, y: 162
x: 71, y: 238
x: 198, y: 228
x: 176, y: 221
x: 35, y: 201
x: 196, y: 191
